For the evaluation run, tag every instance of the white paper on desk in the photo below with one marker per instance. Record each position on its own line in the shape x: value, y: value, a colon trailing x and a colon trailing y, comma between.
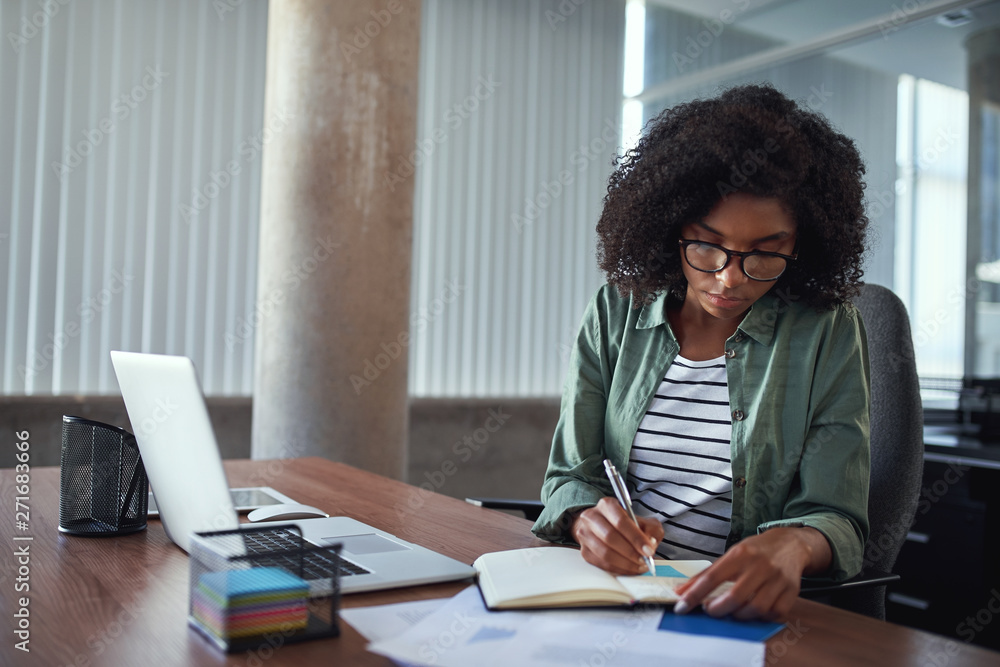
x: 389, y: 620
x: 463, y: 632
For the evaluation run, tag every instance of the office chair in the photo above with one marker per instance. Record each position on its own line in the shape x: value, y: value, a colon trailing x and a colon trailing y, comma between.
x: 897, y: 450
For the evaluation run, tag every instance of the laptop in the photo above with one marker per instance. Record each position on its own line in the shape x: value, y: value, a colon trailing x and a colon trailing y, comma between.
x: 170, y: 421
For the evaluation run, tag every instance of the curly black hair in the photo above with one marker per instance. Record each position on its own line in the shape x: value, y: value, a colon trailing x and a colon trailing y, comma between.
x: 751, y: 139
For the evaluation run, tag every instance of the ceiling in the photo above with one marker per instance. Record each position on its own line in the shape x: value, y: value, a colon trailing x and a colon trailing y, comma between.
x: 925, y: 49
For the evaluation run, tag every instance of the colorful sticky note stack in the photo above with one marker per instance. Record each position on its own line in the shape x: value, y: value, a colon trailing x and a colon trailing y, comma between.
x: 243, y: 603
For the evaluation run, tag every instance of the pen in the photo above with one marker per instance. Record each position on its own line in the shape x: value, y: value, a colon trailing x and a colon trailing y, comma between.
x: 621, y: 492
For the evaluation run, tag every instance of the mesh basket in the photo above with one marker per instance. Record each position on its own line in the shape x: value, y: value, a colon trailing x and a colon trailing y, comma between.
x: 263, y: 586
x: 102, y: 482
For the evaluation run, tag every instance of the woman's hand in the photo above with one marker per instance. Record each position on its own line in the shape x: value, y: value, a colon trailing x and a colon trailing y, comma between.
x: 610, y: 540
x: 766, y: 568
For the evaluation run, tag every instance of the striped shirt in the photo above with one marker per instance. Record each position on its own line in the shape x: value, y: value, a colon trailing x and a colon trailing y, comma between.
x: 679, y: 468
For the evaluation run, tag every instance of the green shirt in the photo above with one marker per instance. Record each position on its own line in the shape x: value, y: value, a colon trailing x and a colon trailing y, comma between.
x: 799, y: 393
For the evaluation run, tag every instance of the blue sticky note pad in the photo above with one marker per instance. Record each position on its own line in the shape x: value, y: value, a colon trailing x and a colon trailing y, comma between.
x: 700, y: 623
x: 258, y: 581
x: 664, y: 571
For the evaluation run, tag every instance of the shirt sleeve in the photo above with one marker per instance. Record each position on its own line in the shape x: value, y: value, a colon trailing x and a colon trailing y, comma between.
x: 574, y: 479
x: 831, y: 493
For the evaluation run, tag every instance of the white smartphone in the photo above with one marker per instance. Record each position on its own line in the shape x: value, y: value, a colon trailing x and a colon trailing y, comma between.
x: 245, y: 499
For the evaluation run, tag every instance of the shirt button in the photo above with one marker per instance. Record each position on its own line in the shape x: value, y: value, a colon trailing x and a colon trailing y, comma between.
x: 739, y: 336
x: 740, y: 482
x: 738, y: 415
x: 730, y: 353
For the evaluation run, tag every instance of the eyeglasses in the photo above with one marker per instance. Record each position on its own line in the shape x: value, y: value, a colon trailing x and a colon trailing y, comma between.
x: 756, y: 264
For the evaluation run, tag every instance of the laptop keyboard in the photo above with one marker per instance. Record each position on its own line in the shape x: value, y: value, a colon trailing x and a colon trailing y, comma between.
x: 315, y: 564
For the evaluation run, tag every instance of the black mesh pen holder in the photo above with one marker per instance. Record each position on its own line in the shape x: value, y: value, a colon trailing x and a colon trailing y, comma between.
x: 102, y: 482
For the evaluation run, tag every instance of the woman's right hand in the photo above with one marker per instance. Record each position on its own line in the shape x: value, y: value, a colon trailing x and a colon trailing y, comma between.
x: 610, y: 540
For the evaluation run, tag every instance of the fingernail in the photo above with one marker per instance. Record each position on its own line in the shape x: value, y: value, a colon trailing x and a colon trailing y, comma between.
x: 648, y: 550
x: 681, y: 607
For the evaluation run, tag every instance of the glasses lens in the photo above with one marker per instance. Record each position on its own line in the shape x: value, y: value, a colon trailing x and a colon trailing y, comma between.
x: 764, y: 267
x: 704, y: 257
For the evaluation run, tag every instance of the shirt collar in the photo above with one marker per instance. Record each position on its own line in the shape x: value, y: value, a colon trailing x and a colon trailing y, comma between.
x: 653, y: 314
x: 758, y: 323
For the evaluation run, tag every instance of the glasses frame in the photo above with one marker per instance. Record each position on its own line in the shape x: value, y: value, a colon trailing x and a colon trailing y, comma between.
x: 684, y: 243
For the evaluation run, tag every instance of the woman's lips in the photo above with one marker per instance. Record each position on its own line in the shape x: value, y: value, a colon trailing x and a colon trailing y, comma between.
x: 722, y: 301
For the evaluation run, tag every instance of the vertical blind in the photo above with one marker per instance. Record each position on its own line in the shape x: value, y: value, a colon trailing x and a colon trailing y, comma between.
x: 518, y: 123
x: 130, y: 140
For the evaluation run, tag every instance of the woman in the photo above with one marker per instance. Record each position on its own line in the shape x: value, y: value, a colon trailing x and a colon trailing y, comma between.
x: 723, y: 366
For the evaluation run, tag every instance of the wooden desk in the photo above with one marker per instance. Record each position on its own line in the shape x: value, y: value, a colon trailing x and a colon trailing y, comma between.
x: 123, y: 601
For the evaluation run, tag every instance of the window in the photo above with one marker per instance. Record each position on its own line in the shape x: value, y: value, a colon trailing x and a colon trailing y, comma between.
x: 894, y: 79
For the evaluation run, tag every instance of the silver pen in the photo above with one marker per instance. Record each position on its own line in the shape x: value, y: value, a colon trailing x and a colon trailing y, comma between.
x: 621, y: 492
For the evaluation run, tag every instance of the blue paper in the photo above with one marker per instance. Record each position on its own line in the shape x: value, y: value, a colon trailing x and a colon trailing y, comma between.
x: 700, y: 623
x: 487, y: 633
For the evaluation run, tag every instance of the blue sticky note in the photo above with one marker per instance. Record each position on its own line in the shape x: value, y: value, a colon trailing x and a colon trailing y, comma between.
x: 258, y: 581
x: 700, y: 623
x: 664, y: 571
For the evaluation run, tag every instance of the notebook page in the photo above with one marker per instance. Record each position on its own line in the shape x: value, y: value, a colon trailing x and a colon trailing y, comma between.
x: 529, y: 573
x: 661, y: 588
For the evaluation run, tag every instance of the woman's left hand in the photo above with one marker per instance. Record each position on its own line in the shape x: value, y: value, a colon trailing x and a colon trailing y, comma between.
x: 766, y: 570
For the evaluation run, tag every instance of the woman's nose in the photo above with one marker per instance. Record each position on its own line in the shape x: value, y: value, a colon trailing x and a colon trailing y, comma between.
x: 731, y: 275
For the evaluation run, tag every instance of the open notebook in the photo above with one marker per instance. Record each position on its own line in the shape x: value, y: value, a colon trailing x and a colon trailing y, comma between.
x: 559, y: 577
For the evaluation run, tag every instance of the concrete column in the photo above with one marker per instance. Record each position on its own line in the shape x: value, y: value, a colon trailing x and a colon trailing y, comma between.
x: 984, y: 97
x: 333, y: 288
